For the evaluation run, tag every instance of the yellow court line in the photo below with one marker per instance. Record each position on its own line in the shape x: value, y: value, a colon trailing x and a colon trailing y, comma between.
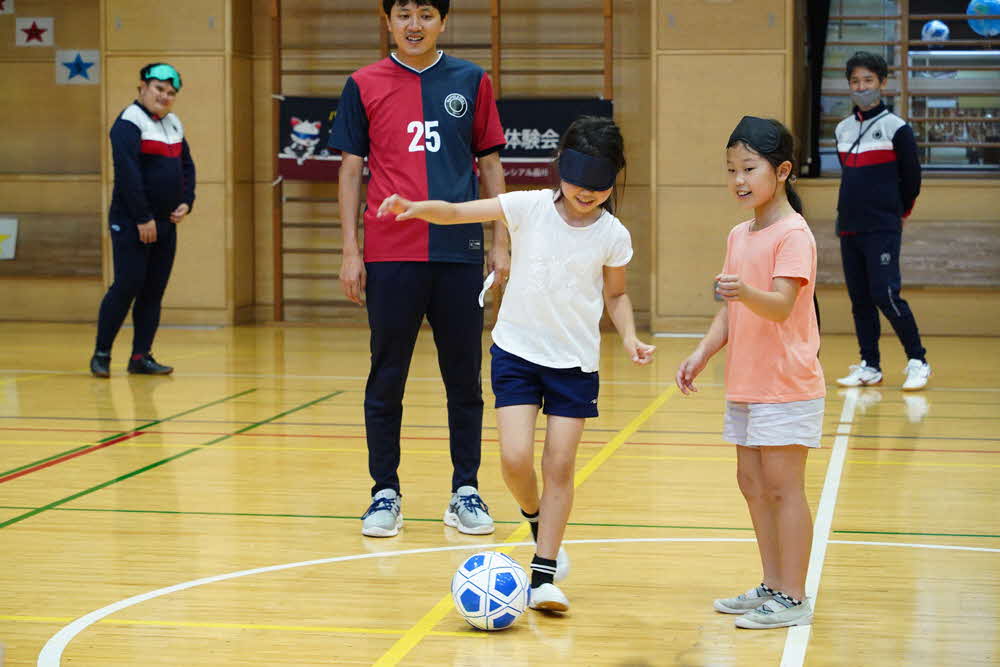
x: 238, y: 626
x: 425, y: 625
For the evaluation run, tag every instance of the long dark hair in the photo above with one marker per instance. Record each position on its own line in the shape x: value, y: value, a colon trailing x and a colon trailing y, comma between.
x: 785, y: 152
x: 598, y: 136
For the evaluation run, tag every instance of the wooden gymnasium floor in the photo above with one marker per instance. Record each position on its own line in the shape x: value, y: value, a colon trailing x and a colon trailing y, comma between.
x: 144, y: 507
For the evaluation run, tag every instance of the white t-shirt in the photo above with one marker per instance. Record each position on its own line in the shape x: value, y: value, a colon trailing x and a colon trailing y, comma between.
x: 551, y: 310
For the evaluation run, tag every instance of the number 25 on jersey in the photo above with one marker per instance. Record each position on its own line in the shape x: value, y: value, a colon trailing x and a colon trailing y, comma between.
x: 424, y: 136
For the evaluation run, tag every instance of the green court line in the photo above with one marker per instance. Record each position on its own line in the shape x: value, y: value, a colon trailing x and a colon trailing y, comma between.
x: 161, y: 462
x: 118, y: 435
x: 279, y: 515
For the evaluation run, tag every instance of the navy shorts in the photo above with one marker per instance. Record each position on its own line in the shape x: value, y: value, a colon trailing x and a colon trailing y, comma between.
x: 563, y: 392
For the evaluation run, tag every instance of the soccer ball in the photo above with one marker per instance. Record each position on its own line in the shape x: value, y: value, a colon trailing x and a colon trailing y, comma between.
x: 984, y: 27
x: 934, y: 31
x: 490, y: 590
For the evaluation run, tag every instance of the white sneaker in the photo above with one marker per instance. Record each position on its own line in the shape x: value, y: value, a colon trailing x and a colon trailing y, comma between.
x: 562, y: 565
x: 384, y: 517
x: 861, y: 375
x: 773, y: 614
x: 743, y: 602
x: 917, y: 373
x: 549, y: 598
x: 467, y: 512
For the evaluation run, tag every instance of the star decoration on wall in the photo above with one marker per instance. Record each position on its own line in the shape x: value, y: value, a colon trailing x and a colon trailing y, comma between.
x: 34, y: 32
x: 78, y: 67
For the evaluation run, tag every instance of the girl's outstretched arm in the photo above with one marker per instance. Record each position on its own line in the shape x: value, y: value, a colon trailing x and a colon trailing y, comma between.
x: 714, y: 340
x: 442, y: 212
x: 775, y: 305
x: 620, y: 311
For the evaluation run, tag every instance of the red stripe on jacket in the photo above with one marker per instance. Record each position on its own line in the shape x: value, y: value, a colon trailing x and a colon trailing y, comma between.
x: 867, y: 158
x: 150, y: 147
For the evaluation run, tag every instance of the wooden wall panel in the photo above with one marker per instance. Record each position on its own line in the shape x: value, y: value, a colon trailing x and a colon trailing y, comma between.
x: 242, y: 269
x: 701, y: 99
x: 199, y: 278
x: 56, y: 245
x: 241, y: 16
x: 691, y: 243
x: 242, y: 96
x: 727, y: 24
x: 21, y: 193
x: 47, y: 128
x: 165, y: 26
x: 52, y: 300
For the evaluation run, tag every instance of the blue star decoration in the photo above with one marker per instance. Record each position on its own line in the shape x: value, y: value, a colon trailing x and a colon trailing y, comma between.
x: 78, y: 67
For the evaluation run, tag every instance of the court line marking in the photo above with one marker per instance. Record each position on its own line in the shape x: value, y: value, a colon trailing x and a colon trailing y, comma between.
x: 119, y: 434
x: 241, y: 626
x: 797, y: 639
x: 51, y: 653
x: 423, y: 626
x: 156, y: 464
x: 354, y: 517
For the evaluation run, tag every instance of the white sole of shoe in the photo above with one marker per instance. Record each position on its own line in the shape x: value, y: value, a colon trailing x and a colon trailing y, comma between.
x: 731, y: 610
x: 914, y: 388
x: 375, y: 531
x: 451, y: 519
x: 747, y: 624
x: 860, y: 384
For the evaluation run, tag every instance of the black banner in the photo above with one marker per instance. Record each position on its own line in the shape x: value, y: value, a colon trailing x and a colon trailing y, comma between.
x: 532, y: 128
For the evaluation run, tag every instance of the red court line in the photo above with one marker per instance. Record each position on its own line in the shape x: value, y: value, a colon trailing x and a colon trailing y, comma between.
x: 88, y: 450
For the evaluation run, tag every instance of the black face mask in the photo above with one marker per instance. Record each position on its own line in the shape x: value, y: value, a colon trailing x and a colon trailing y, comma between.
x: 761, y: 135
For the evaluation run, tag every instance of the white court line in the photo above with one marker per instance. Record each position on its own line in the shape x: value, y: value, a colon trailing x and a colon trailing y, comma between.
x: 797, y: 639
x: 51, y: 653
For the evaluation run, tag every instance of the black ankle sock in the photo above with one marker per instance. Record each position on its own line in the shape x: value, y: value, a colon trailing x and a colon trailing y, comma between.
x: 533, y: 522
x: 543, y: 570
x: 786, y: 600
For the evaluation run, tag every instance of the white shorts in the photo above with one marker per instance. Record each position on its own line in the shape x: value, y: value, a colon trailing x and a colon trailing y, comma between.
x: 774, y: 424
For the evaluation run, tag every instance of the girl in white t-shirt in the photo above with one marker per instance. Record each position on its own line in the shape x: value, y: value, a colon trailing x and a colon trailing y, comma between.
x: 568, y: 257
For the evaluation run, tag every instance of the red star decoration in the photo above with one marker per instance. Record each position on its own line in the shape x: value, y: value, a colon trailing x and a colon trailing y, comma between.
x: 1, y: 5
x: 34, y: 32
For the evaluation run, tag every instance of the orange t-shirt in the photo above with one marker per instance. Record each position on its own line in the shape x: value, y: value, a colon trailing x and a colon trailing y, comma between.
x: 773, y: 362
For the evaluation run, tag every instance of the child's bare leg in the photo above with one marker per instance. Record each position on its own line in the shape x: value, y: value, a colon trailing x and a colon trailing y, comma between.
x: 516, y: 426
x: 784, y: 486
x: 750, y: 476
x: 562, y: 437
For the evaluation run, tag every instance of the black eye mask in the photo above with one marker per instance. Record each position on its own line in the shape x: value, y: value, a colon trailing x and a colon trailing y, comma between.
x: 593, y: 173
x: 761, y: 135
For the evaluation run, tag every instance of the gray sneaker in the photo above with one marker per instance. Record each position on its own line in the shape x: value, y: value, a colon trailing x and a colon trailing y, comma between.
x: 773, y: 614
x: 384, y: 517
x: 468, y: 512
x: 743, y: 602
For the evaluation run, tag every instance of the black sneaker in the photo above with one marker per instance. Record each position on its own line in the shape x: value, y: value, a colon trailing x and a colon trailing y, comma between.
x: 100, y: 365
x: 146, y: 365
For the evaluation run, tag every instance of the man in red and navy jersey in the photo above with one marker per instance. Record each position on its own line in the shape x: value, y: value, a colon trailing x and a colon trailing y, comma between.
x: 879, y: 185
x: 426, y: 121
x: 153, y: 192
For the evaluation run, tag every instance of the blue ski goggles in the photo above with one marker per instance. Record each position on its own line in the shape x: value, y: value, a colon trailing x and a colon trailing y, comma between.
x: 162, y: 72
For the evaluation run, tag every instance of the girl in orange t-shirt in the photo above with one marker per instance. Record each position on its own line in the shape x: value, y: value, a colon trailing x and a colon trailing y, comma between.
x: 774, y: 383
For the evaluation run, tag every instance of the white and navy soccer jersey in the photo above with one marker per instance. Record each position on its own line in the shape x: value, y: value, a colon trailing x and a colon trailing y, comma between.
x: 421, y: 132
x: 880, y: 171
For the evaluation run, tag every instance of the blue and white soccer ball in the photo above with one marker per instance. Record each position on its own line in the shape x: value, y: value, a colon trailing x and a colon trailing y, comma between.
x: 490, y: 590
x: 984, y: 27
x: 934, y: 31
